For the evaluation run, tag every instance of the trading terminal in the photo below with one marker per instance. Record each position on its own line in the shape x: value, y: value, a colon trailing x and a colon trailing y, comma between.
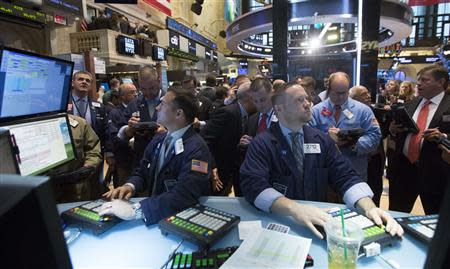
x: 51, y: 148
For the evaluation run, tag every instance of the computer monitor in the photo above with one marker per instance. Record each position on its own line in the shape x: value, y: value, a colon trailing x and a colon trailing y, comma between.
x: 8, y: 154
x: 43, y: 143
x: 31, y: 230
x: 32, y: 84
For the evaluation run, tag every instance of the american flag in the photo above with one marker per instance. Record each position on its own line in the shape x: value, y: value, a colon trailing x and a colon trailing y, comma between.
x: 83, y: 25
x: 199, y: 166
x: 161, y: 5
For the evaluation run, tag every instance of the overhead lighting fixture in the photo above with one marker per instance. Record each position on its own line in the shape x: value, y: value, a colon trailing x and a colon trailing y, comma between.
x: 332, y: 37
x: 315, y: 43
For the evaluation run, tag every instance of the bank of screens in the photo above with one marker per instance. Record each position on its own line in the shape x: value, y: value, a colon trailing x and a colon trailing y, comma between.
x: 43, y: 144
x: 32, y: 84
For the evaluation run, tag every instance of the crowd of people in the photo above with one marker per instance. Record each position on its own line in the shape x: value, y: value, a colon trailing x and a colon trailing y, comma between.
x: 270, y: 142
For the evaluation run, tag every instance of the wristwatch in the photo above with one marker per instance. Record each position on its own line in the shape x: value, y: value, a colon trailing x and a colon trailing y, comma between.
x: 137, y: 210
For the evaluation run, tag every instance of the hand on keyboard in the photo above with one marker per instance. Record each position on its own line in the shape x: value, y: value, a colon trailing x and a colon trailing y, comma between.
x: 380, y: 216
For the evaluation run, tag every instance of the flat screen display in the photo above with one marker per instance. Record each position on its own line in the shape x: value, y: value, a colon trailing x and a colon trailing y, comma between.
x: 32, y: 84
x: 159, y: 53
x: 43, y: 143
x: 126, y: 45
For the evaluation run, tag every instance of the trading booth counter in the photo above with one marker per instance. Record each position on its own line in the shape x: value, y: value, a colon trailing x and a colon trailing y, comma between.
x: 131, y: 244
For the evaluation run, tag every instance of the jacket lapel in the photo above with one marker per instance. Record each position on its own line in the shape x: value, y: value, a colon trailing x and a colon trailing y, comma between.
x: 171, y: 153
x: 443, y: 106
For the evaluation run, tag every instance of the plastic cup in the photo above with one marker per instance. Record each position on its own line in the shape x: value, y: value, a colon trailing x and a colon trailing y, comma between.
x: 343, y: 250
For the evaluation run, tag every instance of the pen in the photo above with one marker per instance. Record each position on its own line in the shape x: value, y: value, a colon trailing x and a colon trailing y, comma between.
x: 172, y: 254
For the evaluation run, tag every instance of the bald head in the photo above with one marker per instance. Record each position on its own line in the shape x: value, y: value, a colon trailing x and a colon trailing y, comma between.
x: 277, y: 83
x: 360, y: 94
x: 127, y: 92
x: 244, y: 97
x: 339, y: 84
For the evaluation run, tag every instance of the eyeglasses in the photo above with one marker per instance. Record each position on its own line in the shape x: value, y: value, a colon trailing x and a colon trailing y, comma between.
x: 80, y: 79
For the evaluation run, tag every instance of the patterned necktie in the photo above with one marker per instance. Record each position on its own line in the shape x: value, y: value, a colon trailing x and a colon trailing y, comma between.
x: 414, y: 142
x: 337, y: 112
x: 262, y: 124
x: 297, y: 150
x: 82, y: 108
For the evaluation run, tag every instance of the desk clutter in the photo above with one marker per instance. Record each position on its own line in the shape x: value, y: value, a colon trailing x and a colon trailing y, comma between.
x: 420, y: 227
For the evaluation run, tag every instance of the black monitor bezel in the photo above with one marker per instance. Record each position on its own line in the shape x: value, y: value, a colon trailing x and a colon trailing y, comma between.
x: 64, y: 109
x: 121, y: 50
x: 155, y: 53
x: 42, y: 118
x: 7, y: 134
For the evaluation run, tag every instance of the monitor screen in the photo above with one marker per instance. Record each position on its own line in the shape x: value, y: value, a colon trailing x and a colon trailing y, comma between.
x: 126, y: 45
x: 31, y: 234
x: 31, y: 84
x: 159, y: 53
x: 43, y: 143
x: 8, y: 162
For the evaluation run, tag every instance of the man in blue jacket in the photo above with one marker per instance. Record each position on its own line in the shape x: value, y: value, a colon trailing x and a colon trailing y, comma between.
x: 339, y: 112
x: 175, y: 169
x: 293, y: 161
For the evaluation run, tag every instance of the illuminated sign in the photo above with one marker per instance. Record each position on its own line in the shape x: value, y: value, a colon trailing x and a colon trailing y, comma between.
x: 126, y: 45
x: 189, y: 33
x: 174, y: 40
x: 70, y: 6
x: 22, y: 12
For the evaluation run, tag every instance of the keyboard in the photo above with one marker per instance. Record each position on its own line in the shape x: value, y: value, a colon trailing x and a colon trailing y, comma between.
x: 421, y: 227
x: 199, y: 224
x: 372, y: 232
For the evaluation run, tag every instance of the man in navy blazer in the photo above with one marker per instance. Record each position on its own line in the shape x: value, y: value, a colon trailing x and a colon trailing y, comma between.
x: 293, y: 161
x: 175, y: 169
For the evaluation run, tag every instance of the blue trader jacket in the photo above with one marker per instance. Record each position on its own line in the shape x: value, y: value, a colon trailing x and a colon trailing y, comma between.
x: 354, y: 115
x: 270, y: 163
x: 182, y: 179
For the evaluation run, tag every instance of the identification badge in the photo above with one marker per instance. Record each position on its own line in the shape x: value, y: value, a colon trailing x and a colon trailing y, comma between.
x: 95, y: 104
x: 348, y: 114
x: 280, y: 188
x: 446, y: 118
x: 311, y: 148
x: 200, y: 104
x: 73, y: 123
x: 179, y: 146
x: 199, y: 166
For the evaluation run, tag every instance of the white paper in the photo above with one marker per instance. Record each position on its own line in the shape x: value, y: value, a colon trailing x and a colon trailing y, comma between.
x: 270, y: 249
x: 246, y: 228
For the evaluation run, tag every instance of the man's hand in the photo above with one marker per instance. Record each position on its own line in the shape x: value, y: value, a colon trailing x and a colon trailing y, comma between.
x: 395, y: 128
x: 118, y: 208
x: 196, y: 123
x: 380, y: 216
x: 333, y: 133
x: 432, y: 135
x: 216, y: 182
x: 129, y: 131
x: 245, y: 140
x: 122, y: 192
x: 304, y: 214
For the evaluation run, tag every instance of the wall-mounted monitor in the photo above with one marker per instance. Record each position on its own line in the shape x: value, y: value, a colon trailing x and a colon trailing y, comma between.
x: 32, y: 84
x: 126, y: 45
x: 43, y: 143
x: 159, y: 53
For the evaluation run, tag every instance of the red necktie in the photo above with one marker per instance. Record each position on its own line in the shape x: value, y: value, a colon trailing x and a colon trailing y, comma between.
x: 337, y: 113
x: 414, y: 142
x: 262, y: 124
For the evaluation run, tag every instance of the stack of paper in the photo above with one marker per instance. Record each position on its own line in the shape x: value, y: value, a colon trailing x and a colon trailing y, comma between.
x: 270, y: 249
